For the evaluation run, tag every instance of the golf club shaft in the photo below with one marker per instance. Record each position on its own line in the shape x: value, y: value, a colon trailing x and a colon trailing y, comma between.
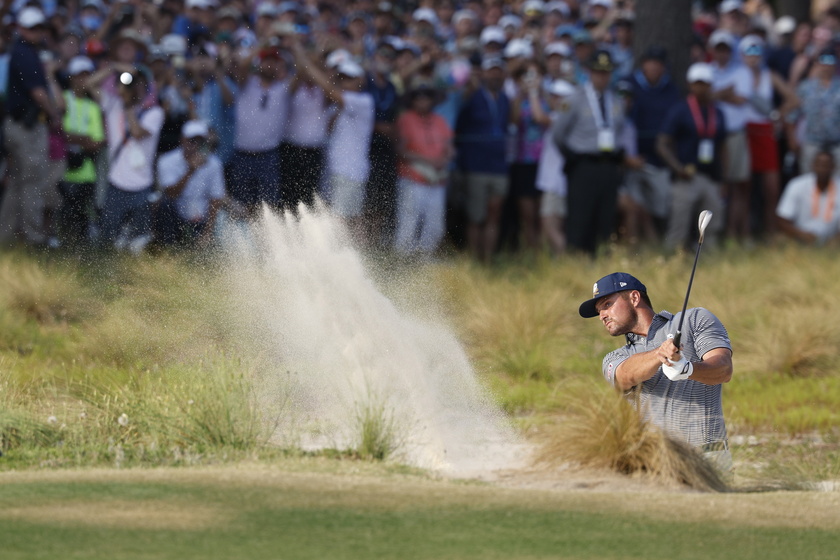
x: 678, y: 334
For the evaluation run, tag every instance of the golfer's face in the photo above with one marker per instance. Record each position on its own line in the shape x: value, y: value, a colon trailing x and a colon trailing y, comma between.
x: 616, y: 313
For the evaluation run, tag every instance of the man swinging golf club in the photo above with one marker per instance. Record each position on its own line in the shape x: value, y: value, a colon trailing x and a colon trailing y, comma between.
x: 676, y: 376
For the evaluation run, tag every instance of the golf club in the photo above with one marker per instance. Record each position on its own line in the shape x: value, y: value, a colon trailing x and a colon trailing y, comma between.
x: 702, y: 222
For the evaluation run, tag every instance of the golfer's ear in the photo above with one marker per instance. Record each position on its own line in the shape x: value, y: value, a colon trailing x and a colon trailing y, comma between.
x: 635, y: 297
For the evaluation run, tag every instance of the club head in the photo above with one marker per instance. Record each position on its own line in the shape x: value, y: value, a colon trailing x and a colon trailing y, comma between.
x: 703, y: 221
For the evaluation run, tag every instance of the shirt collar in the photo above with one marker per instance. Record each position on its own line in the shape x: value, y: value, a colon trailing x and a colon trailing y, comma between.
x: 659, y: 320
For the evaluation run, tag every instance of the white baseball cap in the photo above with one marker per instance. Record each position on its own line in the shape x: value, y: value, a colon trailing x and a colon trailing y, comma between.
x: 728, y: 6
x: 425, y: 14
x: 558, y: 6
x: 751, y: 42
x: 533, y: 6
x: 351, y: 69
x: 462, y: 15
x: 561, y: 88
x: 30, y: 17
x: 722, y: 37
x: 173, y: 44
x: 510, y: 20
x: 784, y: 25
x: 603, y: 3
x: 558, y: 47
x: 201, y: 4
x: 519, y: 48
x: 79, y: 64
x: 338, y: 57
x: 700, y: 72
x: 192, y: 129
x: 492, y: 34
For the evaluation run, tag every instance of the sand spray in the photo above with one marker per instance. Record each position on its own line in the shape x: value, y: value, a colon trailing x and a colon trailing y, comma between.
x: 343, y: 353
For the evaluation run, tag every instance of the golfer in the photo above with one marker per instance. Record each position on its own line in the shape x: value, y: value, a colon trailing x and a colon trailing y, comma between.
x: 678, y: 389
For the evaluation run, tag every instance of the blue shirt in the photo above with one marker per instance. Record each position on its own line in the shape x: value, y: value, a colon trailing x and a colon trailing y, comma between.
x: 821, y: 109
x: 211, y: 108
x: 650, y: 103
x: 481, y: 133
x: 679, y: 125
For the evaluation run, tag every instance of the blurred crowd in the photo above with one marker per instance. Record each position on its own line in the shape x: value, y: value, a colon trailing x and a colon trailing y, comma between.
x: 495, y: 125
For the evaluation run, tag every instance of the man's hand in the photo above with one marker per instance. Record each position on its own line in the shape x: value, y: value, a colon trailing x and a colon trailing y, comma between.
x: 679, y: 370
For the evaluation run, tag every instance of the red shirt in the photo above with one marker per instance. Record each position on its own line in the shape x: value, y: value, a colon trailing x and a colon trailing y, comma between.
x: 426, y: 136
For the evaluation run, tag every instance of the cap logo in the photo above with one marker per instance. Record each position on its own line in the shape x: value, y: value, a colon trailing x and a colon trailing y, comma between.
x: 595, y: 291
x: 603, y: 59
x: 622, y: 284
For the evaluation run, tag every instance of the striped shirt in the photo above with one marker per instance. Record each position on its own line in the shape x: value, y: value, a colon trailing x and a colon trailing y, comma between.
x: 686, y: 409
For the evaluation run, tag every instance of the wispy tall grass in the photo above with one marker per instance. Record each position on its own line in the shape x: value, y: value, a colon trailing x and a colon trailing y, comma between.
x: 601, y: 429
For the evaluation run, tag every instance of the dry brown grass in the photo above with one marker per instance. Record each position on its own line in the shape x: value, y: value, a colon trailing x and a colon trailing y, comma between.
x: 601, y: 429
x: 46, y: 294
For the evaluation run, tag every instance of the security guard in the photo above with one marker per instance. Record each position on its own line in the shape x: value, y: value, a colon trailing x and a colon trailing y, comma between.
x: 588, y: 131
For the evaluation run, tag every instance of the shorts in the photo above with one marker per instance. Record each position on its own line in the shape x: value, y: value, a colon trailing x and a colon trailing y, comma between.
x: 347, y: 196
x: 764, y: 150
x: 481, y: 187
x: 553, y: 205
x: 738, y: 158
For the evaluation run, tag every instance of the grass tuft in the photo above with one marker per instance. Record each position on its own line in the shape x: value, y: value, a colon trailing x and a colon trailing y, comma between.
x: 601, y: 429
x: 378, y: 431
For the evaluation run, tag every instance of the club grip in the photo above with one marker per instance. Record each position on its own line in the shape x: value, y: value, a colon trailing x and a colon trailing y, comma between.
x: 677, y: 338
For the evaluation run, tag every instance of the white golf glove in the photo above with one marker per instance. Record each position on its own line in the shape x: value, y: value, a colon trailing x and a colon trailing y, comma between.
x: 679, y: 371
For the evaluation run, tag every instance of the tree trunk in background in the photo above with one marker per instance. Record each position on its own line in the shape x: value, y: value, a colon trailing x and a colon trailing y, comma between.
x: 667, y: 24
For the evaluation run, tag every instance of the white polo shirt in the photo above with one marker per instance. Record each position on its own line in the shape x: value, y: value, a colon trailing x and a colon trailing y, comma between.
x: 206, y: 184
x: 349, y: 143
x: 737, y: 75
x: 308, y: 117
x: 797, y: 205
x: 133, y: 169
x: 261, y: 114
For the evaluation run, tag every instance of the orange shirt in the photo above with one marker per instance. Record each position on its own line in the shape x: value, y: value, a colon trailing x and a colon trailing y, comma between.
x: 428, y: 137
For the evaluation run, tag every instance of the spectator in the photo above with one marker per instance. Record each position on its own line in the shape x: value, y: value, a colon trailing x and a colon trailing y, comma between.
x: 426, y: 150
x: 809, y: 210
x: 733, y: 88
x: 29, y: 113
x: 348, y: 165
x: 84, y: 129
x: 587, y: 132
x: 382, y: 184
x: 481, y: 140
x: 691, y: 144
x: 302, y: 150
x: 761, y: 128
x: 653, y: 93
x: 132, y: 133
x: 530, y: 115
x: 820, y: 100
x: 192, y: 180
x: 551, y: 179
x: 261, y: 112
x: 213, y: 94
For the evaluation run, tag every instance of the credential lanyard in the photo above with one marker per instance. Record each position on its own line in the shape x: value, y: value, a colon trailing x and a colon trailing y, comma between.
x: 831, y: 196
x: 708, y: 129
x: 602, y: 121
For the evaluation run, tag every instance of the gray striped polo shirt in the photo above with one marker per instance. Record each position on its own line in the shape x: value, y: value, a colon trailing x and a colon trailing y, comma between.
x: 686, y: 409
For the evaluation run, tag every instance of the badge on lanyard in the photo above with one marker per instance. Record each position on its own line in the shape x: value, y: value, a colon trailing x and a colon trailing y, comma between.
x: 606, y: 140
x: 706, y: 131
x: 706, y: 151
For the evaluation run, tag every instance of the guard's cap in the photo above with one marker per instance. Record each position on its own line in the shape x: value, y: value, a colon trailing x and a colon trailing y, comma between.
x: 608, y: 285
x: 601, y: 61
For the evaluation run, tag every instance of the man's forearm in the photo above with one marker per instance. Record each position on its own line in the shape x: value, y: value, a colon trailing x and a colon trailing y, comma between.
x: 636, y: 369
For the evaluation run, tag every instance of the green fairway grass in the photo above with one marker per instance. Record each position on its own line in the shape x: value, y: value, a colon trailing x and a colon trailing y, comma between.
x: 271, y: 513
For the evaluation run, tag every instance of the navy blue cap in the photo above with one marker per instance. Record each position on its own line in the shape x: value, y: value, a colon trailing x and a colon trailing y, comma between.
x: 609, y: 284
